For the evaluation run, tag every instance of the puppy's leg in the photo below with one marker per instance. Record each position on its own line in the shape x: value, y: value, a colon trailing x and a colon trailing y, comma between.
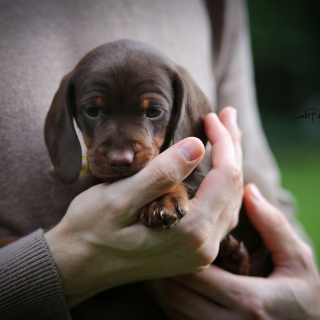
x: 167, y: 210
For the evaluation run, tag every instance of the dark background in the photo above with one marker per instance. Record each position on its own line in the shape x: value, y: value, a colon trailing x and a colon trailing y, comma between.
x: 285, y: 39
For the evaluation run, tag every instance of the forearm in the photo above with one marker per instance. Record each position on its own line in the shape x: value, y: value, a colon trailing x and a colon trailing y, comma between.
x: 30, y: 280
x: 82, y: 271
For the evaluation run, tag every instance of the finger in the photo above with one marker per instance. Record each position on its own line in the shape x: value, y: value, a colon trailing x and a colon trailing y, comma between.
x: 220, y: 183
x: 158, y: 289
x: 228, y: 117
x: 162, y: 174
x: 191, y: 304
x: 275, y: 230
x: 221, y: 140
x: 227, y: 289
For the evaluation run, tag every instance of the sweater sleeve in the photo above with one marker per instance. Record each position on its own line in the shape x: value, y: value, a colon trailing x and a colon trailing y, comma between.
x: 30, y: 287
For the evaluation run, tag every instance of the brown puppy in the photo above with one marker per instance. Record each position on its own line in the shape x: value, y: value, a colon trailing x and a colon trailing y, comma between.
x: 130, y: 102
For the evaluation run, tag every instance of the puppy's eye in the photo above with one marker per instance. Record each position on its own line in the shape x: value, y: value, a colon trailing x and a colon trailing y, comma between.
x: 92, y: 112
x: 152, y: 112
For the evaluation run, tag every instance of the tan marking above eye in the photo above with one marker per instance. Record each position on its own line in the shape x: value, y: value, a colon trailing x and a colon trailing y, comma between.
x: 145, y: 103
x: 99, y: 101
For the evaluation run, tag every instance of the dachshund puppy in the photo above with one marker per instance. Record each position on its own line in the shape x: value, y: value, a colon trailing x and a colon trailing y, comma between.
x: 131, y: 102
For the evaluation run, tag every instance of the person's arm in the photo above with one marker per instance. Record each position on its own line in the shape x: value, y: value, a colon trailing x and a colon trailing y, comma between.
x: 30, y: 287
x: 292, y: 291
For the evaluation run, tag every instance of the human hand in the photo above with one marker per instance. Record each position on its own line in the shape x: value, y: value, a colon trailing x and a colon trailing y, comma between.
x: 292, y: 291
x: 100, y: 242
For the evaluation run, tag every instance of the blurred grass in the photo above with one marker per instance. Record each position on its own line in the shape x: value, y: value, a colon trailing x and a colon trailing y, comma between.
x: 301, y: 176
x: 286, y: 50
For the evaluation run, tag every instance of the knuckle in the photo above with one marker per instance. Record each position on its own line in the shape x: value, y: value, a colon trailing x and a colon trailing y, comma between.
x: 236, y: 176
x: 238, y: 134
x: 233, y: 173
x: 196, y: 243
x: 276, y: 220
x: 307, y: 250
x: 304, y: 255
x: 116, y: 203
x: 207, y: 254
x: 198, y: 238
x: 239, y: 190
x: 234, y: 221
x: 206, y: 257
x: 203, y: 252
x: 252, y: 307
x: 200, y: 269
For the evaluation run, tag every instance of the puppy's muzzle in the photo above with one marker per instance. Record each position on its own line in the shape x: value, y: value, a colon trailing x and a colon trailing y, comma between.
x: 120, y: 160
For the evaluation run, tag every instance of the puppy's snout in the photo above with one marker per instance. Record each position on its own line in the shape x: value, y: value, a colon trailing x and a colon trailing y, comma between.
x: 120, y: 160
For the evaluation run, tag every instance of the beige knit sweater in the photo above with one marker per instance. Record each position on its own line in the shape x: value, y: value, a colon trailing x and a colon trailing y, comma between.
x: 40, y: 41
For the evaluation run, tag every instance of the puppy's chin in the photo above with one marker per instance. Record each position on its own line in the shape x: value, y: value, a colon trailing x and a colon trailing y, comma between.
x: 117, y: 177
x: 110, y: 176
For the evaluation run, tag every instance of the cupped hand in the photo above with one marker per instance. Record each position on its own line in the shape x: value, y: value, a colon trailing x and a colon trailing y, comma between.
x: 292, y: 291
x: 100, y: 242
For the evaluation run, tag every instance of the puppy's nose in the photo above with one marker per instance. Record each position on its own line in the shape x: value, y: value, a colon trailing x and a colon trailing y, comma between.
x: 120, y: 160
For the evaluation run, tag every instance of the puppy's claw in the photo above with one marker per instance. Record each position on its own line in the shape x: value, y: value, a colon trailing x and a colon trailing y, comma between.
x: 166, y: 211
x: 241, y: 253
x: 155, y: 223
x: 181, y: 213
x: 168, y: 220
x: 144, y: 219
x: 228, y: 245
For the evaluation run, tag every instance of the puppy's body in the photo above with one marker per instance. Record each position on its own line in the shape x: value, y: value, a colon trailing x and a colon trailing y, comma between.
x: 130, y: 102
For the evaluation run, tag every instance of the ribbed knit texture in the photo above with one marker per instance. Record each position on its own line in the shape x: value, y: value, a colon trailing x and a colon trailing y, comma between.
x: 30, y: 287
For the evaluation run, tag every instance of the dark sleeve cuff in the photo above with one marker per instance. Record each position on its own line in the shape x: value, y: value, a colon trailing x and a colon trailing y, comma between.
x: 30, y: 287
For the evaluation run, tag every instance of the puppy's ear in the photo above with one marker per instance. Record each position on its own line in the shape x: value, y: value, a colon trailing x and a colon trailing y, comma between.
x: 189, y: 109
x: 60, y: 135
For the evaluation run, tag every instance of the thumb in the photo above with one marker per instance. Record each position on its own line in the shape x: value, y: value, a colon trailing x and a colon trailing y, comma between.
x: 275, y: 230
x: 162, y: 174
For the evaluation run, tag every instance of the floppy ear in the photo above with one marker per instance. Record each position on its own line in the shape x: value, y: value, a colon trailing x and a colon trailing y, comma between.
x: 60, y: 135
x: 189, y: 109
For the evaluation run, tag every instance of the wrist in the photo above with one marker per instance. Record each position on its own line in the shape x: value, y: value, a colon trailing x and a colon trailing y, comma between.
x: 71, y: 256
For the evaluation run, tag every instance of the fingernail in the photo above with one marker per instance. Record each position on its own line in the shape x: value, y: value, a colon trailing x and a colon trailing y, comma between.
x: 191, y: 149
x: 256, y: 194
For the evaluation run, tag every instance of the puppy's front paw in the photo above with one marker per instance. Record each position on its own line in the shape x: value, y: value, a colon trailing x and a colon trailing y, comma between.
x: 167, y: 210
x: 233, y: 256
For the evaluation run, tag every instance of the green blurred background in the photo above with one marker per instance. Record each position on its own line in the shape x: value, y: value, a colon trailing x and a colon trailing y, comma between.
x: 286, y: 51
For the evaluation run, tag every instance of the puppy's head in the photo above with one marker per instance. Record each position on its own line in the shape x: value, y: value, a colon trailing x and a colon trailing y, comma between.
x: 129, y: 100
